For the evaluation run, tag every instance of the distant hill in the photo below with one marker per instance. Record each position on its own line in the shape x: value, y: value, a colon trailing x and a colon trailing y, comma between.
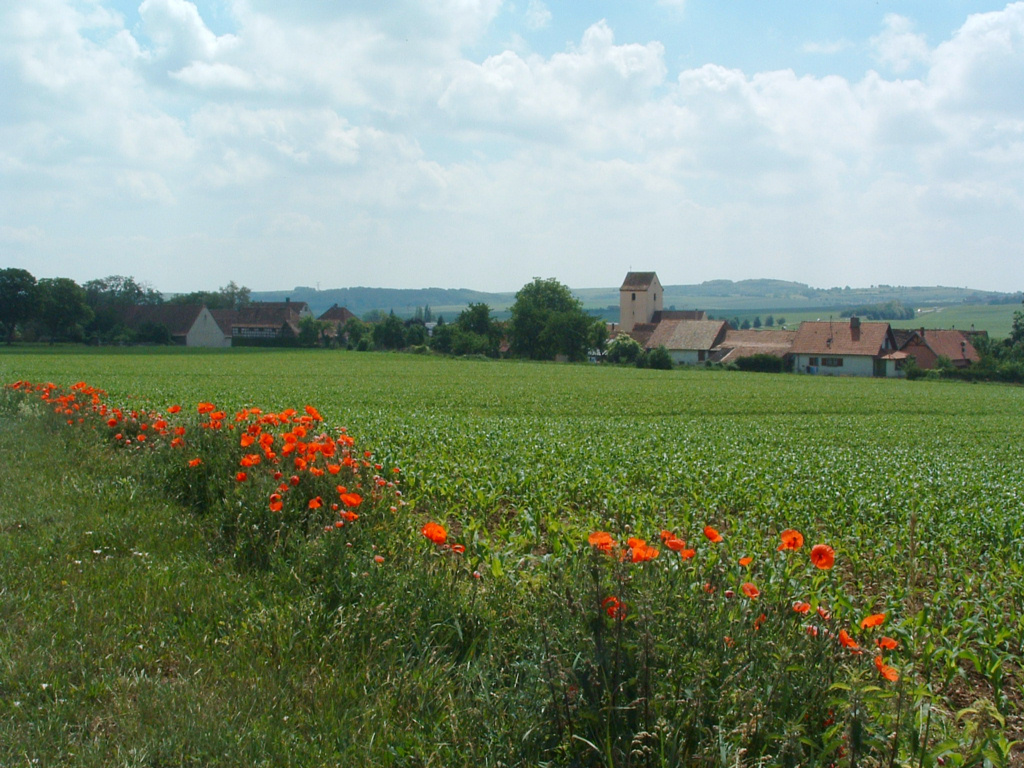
x: 719, y: 297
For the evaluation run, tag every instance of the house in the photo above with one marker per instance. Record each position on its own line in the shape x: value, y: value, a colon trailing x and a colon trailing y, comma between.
x: 336, y: 317
x: 264, y: 320
x: 845, y: 349
x: 190, y: 325
x: 738, y: 344
x: 687, y: 341
x: 927, y: 346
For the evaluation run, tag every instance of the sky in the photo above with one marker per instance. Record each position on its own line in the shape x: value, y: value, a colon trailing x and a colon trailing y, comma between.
x: 482, y: 143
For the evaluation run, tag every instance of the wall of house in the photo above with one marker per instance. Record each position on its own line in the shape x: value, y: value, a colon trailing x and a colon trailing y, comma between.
x: 923, y: 357
x: 639, y: 306
x: 206, y: 333
x: 687, y: 356
x: 853, y: 365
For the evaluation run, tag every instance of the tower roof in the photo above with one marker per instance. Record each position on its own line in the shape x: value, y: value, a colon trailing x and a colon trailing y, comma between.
x: 638, y: 281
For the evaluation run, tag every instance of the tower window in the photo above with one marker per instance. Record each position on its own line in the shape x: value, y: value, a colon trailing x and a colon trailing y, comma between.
x: 634, y: 297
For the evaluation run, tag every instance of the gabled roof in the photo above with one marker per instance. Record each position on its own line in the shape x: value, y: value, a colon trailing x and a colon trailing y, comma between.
x: 687, y: 334
x: 638, y: 281
x: 337, y: 314
x: 955, y: 345
x: 739, y: 343
x: 842, y: 338
x: 642, y: 332
x: 225, y: 318
x: 178, y: 319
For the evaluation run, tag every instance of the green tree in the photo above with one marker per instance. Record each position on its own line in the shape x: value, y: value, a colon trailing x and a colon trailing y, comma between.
x: 624, y: 349
x: 390, y: 333
x: 231, y: 296
x: 312, y: 331
x: 659, y: 359
x: 355, y: 331
x: 109, y: 298
x: 1017, y: 328
x: 548, y: 321
x: 19, y: 299
x: 63, y: 310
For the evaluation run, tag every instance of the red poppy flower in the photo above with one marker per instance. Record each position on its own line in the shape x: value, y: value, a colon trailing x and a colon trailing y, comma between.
x: 602, y: 540
x: 614, y: 608
x: 174, y: 409
x: 712, y: 534
x: 886, y: 643
x: 745, y: 561
x: 823, y: 556
x: 313, y: 413
x: 642, y: 553
x: 750, y: 590
x: 351, y: 499
x: 886, y: 671
x: 791, y: 540
x: 801, y: 607
x: 378, y: 559
x: 435, y: 532
x: 195, y: 462
x: 874, y: 620
x: 458, y: 549
x: 275, y: 502
x: 846, y: 640
x: 205, y: 407
x: 241, y: 477
x: 316, y: 503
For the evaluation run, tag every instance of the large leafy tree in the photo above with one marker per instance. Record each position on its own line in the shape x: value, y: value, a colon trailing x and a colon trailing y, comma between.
x: 109, y: 297
x: 62, y: 308
x: 547, y: 321
x: 231, y: 296
x: 19, y: 299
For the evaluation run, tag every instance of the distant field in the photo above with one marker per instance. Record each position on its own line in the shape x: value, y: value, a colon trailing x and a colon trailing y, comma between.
x: 918, y: 486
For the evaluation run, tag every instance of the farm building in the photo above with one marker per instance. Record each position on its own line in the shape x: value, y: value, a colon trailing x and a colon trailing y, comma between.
x: 264, y: 320
x: 845, y: 349
x: 926, y: 346
x: 191, y: 325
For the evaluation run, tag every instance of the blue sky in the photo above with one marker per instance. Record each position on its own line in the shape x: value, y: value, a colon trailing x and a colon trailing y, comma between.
x: 480, y: 143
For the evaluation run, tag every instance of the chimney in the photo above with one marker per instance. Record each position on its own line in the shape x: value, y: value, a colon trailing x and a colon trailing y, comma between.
x: 854, y: 328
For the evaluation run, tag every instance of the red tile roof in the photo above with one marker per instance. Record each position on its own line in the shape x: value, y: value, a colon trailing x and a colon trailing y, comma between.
x: 739, y: 343
x: 843, y: 337
x: 687, y: 334
x: 638, y: 281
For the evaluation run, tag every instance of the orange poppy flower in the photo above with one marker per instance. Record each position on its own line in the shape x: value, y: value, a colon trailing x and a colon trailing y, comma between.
x: 174, y: 409
x: 458, y: 549
x: 791, y: 540
x: 801, y: 607
x: 745, y: 561
x: 823, y: 556
x: 712, y: 534
x: 314, y: 413
x: 886, y: 671
x: 195, y: 462
x: 275, y: 502
x: 759, y: 621
x: 205, y: 407
x: 316, y: 503
x: 846, y: 640
x: 886, y: 643
x: 686, y: 554
x: 750, y: 590
x: 874, y: 620
x: 241, y: 477
x: 378, y: 559
x: 602, y: 540
x: 642, y: 553
x: 614, y: 608
x: 351, y: 499
x: 435, y: 532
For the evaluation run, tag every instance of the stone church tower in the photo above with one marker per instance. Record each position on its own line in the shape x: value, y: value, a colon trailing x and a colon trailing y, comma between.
x: 639, y: 298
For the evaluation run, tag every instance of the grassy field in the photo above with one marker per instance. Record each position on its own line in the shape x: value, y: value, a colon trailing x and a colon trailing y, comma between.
x: 135, y: 634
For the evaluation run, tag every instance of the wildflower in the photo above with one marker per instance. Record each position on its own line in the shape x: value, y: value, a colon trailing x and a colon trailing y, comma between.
x: 174, y: 409
x: 801, y: 607
x: 750, y: 590
x: 351, y: 499
x: 313, y: 413
x: 824, y: 613
x: 886, y: 643
x: 712, y: 534
x: 458, y: 549
x: 435, y: 532
x: 759, y: 621
x: 195, y: 462
x: 641, y: 553
x: 791, y: 540
x: 275, y: 502
x: 378, y: 559
x: 874, y: 620
x: 316, y: 503
x: 886, y: 671
x: 241, y: 477
x: 846, y: 641
x: 614, y: 608
x: 823, y: 556
x: 205, y: 407
x: 602, y: 540
x: 745, y: 561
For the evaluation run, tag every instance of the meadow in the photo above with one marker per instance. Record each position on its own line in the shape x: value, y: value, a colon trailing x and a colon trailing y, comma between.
x: 626, y: 588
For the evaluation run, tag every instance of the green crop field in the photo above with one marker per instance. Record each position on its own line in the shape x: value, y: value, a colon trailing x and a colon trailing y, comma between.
x: 521, y: 650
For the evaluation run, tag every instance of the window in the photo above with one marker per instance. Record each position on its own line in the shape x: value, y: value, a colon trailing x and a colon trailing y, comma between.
x: 812, y: 361
x: 831, y: 362
x: 634, y: 297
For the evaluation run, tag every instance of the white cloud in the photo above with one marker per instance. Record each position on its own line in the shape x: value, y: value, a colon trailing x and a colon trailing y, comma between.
x: 898, y: 46
x: 827, y: 48
x: 537, y: 15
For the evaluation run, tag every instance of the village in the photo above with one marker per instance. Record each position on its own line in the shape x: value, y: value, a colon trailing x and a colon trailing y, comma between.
x: 845, y: 347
